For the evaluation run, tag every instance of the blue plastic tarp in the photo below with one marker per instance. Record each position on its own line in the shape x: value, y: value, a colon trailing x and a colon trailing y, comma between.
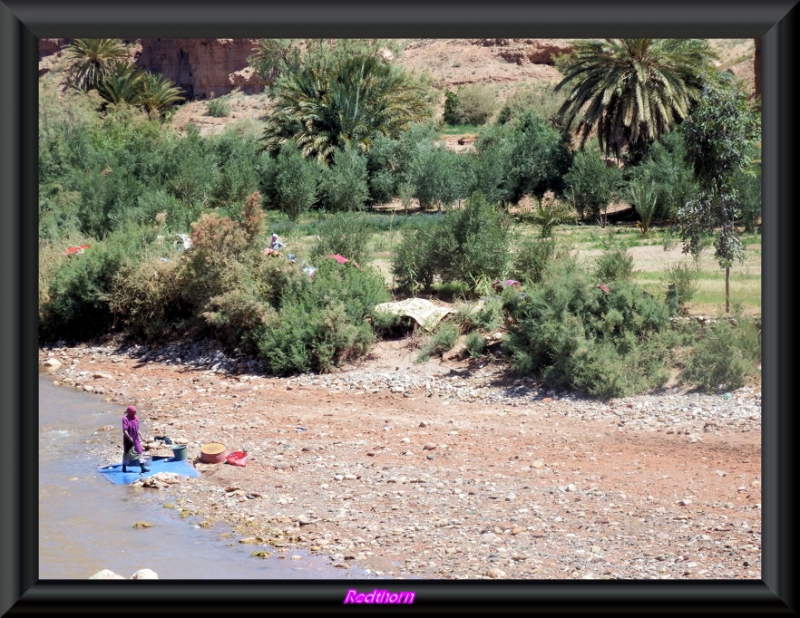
x: 115, y: 475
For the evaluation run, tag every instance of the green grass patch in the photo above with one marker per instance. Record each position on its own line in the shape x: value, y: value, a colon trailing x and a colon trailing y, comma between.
x: 459, y: 129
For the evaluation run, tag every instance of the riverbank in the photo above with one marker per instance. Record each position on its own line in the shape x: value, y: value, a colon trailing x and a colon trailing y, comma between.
x: 444, y: 470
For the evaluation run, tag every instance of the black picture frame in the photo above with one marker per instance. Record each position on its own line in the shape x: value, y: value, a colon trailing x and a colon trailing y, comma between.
x: 23, y: 22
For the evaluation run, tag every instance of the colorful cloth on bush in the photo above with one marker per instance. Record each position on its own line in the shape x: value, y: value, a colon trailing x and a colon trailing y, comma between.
x: 76, y: 250
x: 342, y: 260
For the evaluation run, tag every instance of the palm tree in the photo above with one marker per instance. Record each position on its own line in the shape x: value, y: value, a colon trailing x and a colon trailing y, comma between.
x: 91, y: 60
x: 122, y: 83
x: 157, y: 93
x: 632, y: 91
x: 348, y: 100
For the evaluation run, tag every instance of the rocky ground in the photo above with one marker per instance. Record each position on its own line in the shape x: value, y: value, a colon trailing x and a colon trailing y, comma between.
x: 446, y: 469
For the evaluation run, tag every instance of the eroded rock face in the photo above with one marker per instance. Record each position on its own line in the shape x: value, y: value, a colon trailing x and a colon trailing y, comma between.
x: 203, y: 68
x: 535, y: 51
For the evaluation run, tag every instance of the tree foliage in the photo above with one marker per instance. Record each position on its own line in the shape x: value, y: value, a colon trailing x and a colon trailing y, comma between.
x: 291, y: 182
x: 345, y: 97
x: 591, y: 184
x: 720, y: 135
x: 91, y: 60
x: 631, y: 91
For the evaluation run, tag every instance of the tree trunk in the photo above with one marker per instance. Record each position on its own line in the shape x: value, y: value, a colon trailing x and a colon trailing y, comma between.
x: 727, y: 289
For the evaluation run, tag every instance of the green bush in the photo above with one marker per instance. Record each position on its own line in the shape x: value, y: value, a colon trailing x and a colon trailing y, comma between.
x: 443, y: 340
x: 437, y: 174
x: 414, y: 259
x: 475, y: 344
x: 347, y: 234
x: 723, y: 357
x: 473, y: 104
x: 644, y: 197
x: 748, y: 197
x: 614, y: 264
x: 466, y: 246
x: 684, y: 277
x: 344, y: 185
x: 146, y: 297
x: 472, y: 244
x: 77, y: 305
x: 218, y: 108
x: 538, y: 97
x: 591, y: 184
x: 490, y: 316
x: 324, y: 323
x: 290, y: 181
x: 604, y: 342
x: 532, y: 258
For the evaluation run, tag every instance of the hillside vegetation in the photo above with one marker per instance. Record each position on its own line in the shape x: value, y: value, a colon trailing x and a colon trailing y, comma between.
x: 580, y: 230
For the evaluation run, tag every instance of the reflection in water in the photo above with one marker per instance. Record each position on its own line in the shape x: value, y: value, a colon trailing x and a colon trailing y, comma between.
x: 86, y: 523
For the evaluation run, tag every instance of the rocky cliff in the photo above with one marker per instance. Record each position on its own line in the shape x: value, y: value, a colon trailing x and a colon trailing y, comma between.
x: 203, y: 68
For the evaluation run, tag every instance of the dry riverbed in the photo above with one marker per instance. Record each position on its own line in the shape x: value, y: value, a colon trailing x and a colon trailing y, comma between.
x: 446, y: 469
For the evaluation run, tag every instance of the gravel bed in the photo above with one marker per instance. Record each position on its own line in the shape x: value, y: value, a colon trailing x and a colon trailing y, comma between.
x: 440, y: 473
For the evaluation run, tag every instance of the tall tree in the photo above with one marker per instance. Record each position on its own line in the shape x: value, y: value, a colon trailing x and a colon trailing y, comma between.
x: 341, y: 99
x: 91, y: 60
x: 631, y: 91
x: 721, y: 135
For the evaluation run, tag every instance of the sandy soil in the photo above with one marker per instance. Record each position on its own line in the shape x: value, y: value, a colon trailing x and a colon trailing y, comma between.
x: 449, y: 469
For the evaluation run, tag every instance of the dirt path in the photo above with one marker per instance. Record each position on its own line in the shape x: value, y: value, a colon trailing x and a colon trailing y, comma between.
x: 442, y: 470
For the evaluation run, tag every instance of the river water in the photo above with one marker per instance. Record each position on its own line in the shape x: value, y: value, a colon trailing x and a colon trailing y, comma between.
x: 86, y: 523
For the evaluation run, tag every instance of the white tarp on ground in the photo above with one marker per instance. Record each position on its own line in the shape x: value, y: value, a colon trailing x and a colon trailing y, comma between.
x: 424, y: 312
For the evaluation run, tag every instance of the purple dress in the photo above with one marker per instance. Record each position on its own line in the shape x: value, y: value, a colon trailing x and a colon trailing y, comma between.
x: 131, y: 425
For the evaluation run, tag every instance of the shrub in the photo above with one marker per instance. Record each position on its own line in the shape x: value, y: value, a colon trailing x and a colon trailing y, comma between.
x: 603, y: 342
x: 324, y: 323
x: 748, y: 197
x: 437, y: 174
x: 347, y: 234
x: 443, y: 340
x: 591, y: 184
x: 644, y: 197
x: 538, y: 158
x: 489, y: 315
x: 343, y: 185
x: 147, y: 298
x: 532, y: 258
x: 549, y: 212
x: 614, y: 264
x: 218, y: 108
x: 723, y: 357
x: 473, y: 104
x: 684, y: 277
x: 77, y: 303
x: 290, y: 182
x: 472, y: 244
x: 475, y: 344
x: 414, y: 259
x: 467, y: 246
x: 539, y: 97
